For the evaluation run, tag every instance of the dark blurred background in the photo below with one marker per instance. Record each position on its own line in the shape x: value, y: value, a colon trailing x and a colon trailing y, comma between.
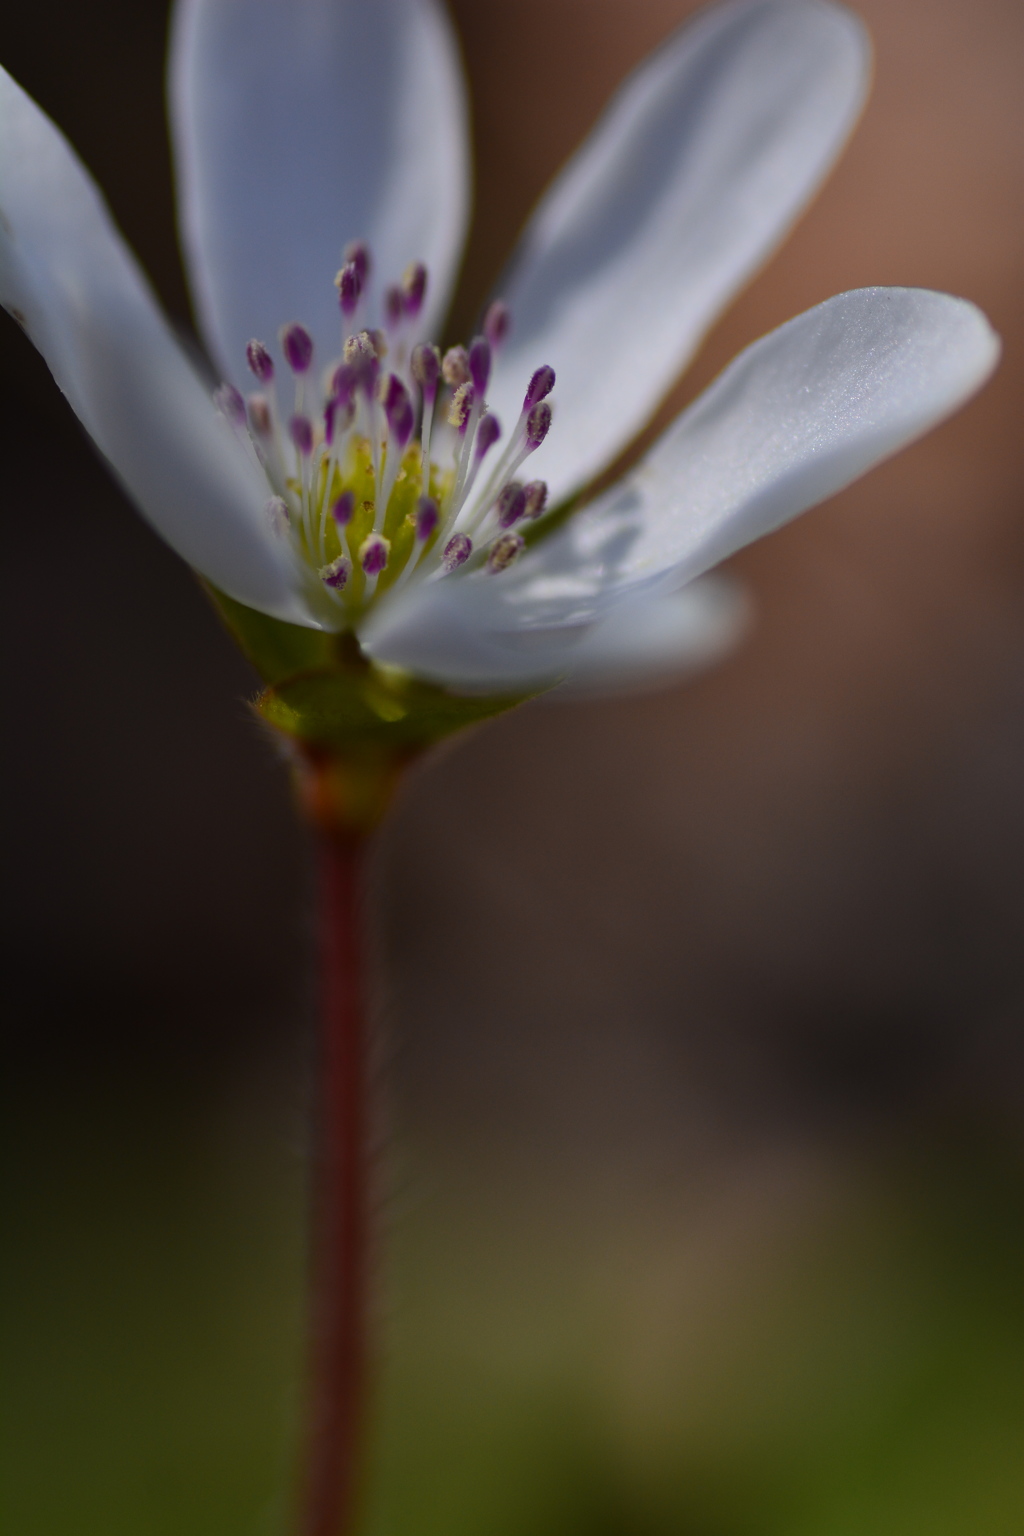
x: 703, y: 1011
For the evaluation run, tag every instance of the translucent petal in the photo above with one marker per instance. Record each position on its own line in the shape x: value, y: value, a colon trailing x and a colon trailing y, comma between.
x: 69, y: 279
x: 299, y: 127
x: 693, y: 175
x: 795, y: 418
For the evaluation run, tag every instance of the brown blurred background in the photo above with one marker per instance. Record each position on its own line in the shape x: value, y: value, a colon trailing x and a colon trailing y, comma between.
x: 703, y: 1010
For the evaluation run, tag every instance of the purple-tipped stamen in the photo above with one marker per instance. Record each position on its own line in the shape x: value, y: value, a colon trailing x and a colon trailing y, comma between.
x: 511, y: 504
x: 338, y: 416
x: 297, y: 346
x: 427, y: 518
x: 504, y: 550
x: 394, y: 307
x: 539, y: 387
x: 301, y: 431
x: 373, y: 554
x: 357, y: 254
x: 461, y: 407
x: 398, y: 410
x: 343, y: 508
x: 362, y: 357
x: 538, y: 425
x: 414, y: 287
x: 260, y: 361
x: 343, y: 383
x: 426, y: 368
x: 455, y: 367
x: 350, y: 289
x: 536, y: 498
x: 496, y: 322
x: 456, y: 552
x: 480, y: 364
x: 336, y: 574
x: 260, y: 419
x: 487, y: 434
x: 230, y: 403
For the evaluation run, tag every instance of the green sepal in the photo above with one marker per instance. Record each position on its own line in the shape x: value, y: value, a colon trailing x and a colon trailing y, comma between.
x: 323, y: 693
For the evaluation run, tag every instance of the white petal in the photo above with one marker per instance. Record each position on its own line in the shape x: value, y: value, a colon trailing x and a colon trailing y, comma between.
x: 67, y: 276
x: 300, y: 125
x: 692, y: 176
x: 657, y: 639
x: 794, y: 419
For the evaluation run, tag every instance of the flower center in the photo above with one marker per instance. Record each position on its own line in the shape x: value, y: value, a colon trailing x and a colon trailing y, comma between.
x: 381, y: 465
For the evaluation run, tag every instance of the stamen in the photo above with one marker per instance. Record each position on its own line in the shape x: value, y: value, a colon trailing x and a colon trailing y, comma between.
x: 536, y: 498
x: 538, y: 425
x: 344, y: 383
x: 414, y: 287
x: 394, y: 307
x: 540, y: 386
x: 297, y: 346
x: 398, y: 410
x: 461, y: 406
x: 455, y: 368
x: 480, y: 364
x: 426, y: 368
x: 456, y: 552
x: 336, y: 574
x: 506, y: 549
x: 338, y: 416
x: 496, y: 323
x: 487, y: 434
x: 357, y: 254
x: 260, y: 419
x: 511, y: 504
x: 362, y: 357
x: 230, y: 403
x: 260, y: 361
x: 427, y: 518
x: 343, y: 508
x: 350, y: 288
x: 373, y: 553
x: 301, y: 431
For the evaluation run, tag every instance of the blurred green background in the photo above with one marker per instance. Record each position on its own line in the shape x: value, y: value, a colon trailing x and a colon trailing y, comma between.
x: 702, y: 1083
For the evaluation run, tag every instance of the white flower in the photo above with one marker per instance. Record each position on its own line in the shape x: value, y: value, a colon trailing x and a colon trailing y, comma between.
x: 302, y: 127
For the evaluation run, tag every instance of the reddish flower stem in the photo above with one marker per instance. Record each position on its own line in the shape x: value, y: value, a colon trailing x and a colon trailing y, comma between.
x: 337, y: 1364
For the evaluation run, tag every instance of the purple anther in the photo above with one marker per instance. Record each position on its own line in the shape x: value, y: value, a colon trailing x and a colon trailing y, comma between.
x: 427, y: 518
x: 542, y: 383
x: 350, y: 288
x: 278, y: 515
x: 487, y: 434
x: 480, y: 363
x: 503, y: 551
x: 343, y: 508
x: 398, y: 410
x: 536, y: 498
x: 511, y: 504
x: 361, y: 357
x: 455, y: 368
x: 230, y: 403
x: 297, y: 346
x: 301, y: 430
x: 343, y: 383
x: 456, y: 552
x: 496, y: 322
x: 394, y: 306
x: 373, y: 554
x: 338, y: 414
x: 260, y: 419
x: 260, y: 361
x: 414, y: 287
x: 461, y: 406
x: 538, y: 424
x: 426, y: 368
x: 336, y: 574
x: 357, y: 254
